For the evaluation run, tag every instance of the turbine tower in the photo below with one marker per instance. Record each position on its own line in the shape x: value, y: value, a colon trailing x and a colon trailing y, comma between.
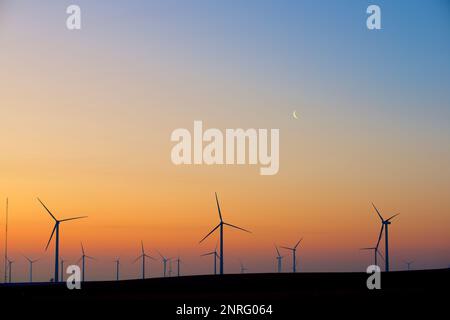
x: 178, y: 266
x: 143, y: 256
x: 164, y: 261
x: 56, y: 229
x: 117, y: 262
x: 215, y: 257
x: 6, y: 242
x: 243, y: 268
x: 83, y: 262
x: 384, y: 226
x: 279, y: 258
x: 409, y: 263
x: 294, y: 250
x: 31, y: 267
x: 376, y: 253
x: 221, y: 225
x: 10, y: 262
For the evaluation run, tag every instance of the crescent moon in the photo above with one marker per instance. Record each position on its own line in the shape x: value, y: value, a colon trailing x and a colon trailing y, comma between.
x: 294, y: 114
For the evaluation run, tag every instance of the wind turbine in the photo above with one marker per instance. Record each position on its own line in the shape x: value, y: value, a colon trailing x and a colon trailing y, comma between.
x: 6, y: 241
x: 279, y: 258
x: 164, y: 261
x: 243, y: 268
x: 215, y: 257
x: 376, y: 253
x: 56, y: 228
x: 31, y: 267
x: 83, y: 261
x: 10, y: 262
x: 178, y: 266
x: 220, y: 225
x: 143, y: 256
x: 409, y: 263
x: 294, y: 250
x: 117, y: 262
x: 384, y: 226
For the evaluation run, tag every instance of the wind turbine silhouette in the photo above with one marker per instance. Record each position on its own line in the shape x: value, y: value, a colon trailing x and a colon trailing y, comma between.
x: 31, y: 266
x: 56, y: 228
x: 409, y: 263
x: 215, y: 256
x: 178, y: 266
x: 384, y: 226
x: 294, y: 250
x: 164, y: 261
x: 376, y: 253
x: 143, y: 256
x: 10, y: 262
x: 83, y: 261
x: 243, y: 268
x: 170, y: 267
x: 220, y: 225
x: 117, y: 262
x: 279, y: 258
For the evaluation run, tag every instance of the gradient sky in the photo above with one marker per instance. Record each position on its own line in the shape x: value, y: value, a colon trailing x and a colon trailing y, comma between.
x: 86, y: 118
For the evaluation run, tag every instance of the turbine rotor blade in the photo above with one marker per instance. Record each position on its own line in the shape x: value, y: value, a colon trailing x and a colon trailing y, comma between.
x: 51, y: 236
x: 278, y: 252
x: 47, y: 210
x: 381, y: 234
x: 134, y: 261
x: 81, y: 217
x: 207, y: 254
x: 142, y: 247
x: 230, y: 225
x: 218, y: 207
x: 287, y: 248
x: 82, y: 248
x: 162, y: 257
x: 378, y: 212
x: 210, y: 232
x: 393, y: 217
x: 147, y: 256
x: 298, y: 243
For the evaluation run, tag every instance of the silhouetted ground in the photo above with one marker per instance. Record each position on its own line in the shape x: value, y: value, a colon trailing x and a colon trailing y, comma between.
x: 286, y: 292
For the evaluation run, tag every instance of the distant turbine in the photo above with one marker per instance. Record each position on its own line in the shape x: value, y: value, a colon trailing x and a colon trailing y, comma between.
x: 56, y: 228
x: 170, y: 267
x: 279, y: 258
x: 409, y: 263
x: 143, y: 256
x: 215, y: 257
x: 31, y: 267
x: 220, y: 225
x: 376, y: 253
x: 243, y: 268
x: 384, y: 225
x: 117, y: 262
x: 10, y: 262
x: 178, y: 266
x: 6, y: 241
x: 164, y: 261
x: 83, y: 262
x: 294, y: 250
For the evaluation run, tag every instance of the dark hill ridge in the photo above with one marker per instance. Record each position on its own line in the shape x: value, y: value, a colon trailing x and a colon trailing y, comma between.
x: 285, y: 291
